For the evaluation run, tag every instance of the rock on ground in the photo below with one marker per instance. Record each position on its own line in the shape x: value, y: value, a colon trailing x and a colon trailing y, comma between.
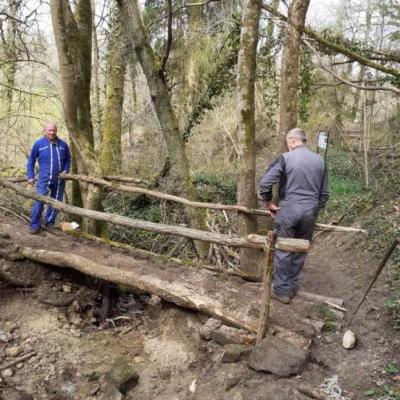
x: 278, y: 357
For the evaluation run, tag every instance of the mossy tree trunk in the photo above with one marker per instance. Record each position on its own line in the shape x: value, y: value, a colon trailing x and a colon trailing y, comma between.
x: 179, y: 176
x: 246, y: 194
x: 73, y: 37
x: 97, y: 109
x: 288, y: 101
x: 115, y: 75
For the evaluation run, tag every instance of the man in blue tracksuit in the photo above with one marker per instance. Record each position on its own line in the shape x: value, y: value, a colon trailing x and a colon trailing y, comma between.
x: 303, y: 191
x: 54, y: 158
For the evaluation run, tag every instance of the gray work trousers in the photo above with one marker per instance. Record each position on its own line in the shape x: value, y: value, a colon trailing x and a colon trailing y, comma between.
x: 293, y: 220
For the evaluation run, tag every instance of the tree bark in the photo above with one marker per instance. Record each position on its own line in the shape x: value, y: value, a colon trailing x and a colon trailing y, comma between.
x: 180, y: 178
x: 97, y: 120
x: 116, y: 67
x: 288, y: 95
x: 73, y: 37
x: 246, y: 193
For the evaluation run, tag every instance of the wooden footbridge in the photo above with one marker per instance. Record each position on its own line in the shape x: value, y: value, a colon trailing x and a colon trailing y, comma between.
x: 230, y: 298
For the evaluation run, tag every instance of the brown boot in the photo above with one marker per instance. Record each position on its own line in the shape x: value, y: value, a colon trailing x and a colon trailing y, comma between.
x: 281, y: 299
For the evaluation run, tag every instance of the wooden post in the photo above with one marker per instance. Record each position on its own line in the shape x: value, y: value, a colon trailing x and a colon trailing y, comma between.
x: 267, y: 284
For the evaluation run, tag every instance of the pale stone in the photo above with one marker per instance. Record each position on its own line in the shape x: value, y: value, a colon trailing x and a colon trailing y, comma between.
x: 349, y: 340
x: 7, y: 373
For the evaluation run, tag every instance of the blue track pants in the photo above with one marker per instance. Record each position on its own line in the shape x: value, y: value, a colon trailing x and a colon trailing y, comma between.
x: 54, y: 188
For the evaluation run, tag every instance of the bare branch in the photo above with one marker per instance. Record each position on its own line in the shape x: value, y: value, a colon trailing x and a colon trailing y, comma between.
x: 338, y: 48
x: 362, y: 87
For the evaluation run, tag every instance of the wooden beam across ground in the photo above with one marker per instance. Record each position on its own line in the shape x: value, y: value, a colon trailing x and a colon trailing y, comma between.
x: 252, y: 241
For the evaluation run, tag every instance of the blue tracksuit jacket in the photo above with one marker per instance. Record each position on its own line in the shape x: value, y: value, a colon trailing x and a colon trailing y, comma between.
x: 53, y: 158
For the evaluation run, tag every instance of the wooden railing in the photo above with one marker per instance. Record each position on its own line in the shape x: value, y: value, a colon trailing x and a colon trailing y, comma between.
x: 110, y: 182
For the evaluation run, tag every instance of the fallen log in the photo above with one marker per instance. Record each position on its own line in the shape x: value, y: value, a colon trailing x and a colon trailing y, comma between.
x: 253, y: 241
x: 231, y: 299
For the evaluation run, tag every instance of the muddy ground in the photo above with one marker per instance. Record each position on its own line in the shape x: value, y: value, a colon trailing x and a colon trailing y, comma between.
x: 158, y: 349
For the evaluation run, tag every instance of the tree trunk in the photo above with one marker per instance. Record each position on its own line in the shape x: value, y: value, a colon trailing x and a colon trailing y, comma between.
x: 290, y: 67
x: 73, y: 37
x: 179, y: 176
x: 116, y: 66
x: 97, y: 125
x: 246, y: 194
x: 10, y: 53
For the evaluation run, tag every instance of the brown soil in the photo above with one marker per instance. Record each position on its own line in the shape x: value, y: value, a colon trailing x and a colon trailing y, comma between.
x: 162, y: 342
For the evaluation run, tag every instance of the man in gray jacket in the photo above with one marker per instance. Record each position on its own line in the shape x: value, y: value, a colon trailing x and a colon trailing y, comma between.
x: 303, y: 191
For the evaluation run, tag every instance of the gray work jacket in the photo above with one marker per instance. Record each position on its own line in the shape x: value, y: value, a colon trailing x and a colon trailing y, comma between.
x: 302, y: 176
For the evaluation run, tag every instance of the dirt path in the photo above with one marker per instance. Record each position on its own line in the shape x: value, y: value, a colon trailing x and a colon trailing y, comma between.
x: 162, y: 342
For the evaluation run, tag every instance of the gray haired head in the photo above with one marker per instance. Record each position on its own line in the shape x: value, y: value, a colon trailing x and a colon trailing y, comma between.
x: 297, y: 134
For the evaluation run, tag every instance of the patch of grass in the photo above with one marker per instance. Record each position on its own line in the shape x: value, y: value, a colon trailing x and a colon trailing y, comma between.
x: 340, y: 186
x: 388, y: 391
x: 326, y: 314
x: 391, y: 368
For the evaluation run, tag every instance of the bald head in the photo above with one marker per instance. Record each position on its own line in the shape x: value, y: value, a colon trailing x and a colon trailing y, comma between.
x: 50, y: 131
x: 295, y: 137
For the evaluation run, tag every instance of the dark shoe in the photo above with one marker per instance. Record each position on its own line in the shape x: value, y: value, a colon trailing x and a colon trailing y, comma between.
x: 34, y: 231
x: 281, y: 299
x: 293, y: 292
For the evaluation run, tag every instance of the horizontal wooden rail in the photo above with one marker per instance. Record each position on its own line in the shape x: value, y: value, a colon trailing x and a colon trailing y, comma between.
x: 197, y: 204
x: 253, y: 241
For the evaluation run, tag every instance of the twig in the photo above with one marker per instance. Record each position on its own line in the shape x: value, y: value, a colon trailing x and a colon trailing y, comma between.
x: 18, y: 360
x: 333, y: 305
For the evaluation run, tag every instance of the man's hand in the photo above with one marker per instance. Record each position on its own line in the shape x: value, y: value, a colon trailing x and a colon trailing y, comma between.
x: 271, y: 207
x: 62, y: 174
x: 31, y: 182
